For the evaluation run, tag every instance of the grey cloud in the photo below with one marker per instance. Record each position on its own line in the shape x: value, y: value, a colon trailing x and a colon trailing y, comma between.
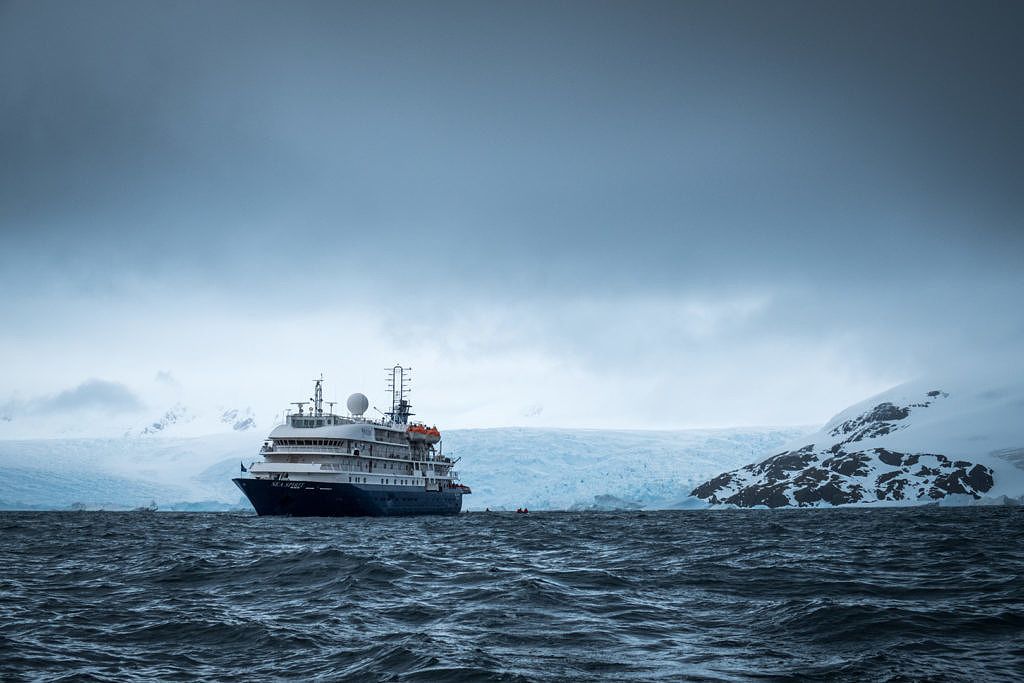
x: 855, y: 166
x: 96, y: 394
x: 521, y: 146
x: 93, y: 394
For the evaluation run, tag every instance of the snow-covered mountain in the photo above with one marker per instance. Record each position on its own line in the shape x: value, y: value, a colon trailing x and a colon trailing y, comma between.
x: 507, y: 468
x: 958, y: 441
x: 179, y: 420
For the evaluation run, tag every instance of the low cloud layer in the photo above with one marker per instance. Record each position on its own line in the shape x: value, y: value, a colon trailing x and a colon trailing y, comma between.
x: 94, y: 395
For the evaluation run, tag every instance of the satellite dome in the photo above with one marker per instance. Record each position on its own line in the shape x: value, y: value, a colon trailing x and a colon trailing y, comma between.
x: 357, y: 404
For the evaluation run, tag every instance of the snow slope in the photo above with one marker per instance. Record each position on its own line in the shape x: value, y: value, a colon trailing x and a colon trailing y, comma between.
x: 958, y: 440
x: 506, y: 468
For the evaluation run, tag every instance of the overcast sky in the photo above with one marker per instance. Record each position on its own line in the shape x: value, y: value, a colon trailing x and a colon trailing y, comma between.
x: 629, y: 214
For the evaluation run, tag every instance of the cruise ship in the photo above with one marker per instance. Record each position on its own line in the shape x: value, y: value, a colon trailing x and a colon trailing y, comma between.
x: 320, y: 464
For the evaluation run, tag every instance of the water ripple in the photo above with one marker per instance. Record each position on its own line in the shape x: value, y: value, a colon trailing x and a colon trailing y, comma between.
x: 731, y: 595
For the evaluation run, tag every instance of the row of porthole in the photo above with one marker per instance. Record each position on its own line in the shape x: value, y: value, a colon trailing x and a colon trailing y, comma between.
x: 403, y: 482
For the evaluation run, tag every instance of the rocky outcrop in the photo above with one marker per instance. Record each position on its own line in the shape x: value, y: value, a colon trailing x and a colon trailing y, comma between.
x: 239, y: 420
x: 842, y: 468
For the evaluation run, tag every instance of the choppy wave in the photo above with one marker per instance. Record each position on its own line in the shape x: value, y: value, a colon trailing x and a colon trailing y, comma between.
x: 714, y: 595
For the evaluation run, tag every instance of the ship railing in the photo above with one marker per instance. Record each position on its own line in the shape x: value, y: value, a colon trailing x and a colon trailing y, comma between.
x: 338, y: 450
x: 307, y: 449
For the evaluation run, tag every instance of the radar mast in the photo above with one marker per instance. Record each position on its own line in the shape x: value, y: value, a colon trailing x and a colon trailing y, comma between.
x: 318, y: 396
x: 398, y: 380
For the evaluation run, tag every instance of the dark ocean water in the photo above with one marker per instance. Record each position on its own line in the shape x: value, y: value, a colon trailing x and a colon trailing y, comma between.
x: 730, y: 595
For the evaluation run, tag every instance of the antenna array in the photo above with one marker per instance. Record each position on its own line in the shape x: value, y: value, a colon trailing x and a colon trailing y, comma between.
x: 398, y: 380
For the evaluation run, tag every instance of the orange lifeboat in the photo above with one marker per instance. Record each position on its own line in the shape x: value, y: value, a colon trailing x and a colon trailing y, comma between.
x: 433, y: 435
x: 416, y: 432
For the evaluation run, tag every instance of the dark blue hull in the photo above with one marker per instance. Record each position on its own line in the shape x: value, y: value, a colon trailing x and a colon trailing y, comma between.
x: 315, y: 499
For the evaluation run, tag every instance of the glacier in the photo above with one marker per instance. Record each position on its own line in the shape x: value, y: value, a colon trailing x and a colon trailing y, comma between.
x: 505, y: 467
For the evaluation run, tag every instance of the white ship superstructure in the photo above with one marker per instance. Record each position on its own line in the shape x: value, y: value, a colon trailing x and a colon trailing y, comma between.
x: 321, y: 463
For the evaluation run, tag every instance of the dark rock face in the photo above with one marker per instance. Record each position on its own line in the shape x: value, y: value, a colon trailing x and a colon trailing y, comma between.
x: 797, y: 478
x: 980, y: 478
x: 960, y: 480
x: 777, y: 466
x: 831, y: 492
x: 709, y: 488
x: 772, y: 495
x: 849, y: 464
x: 883, y: 419
x: 883, y: 412
x: 890, y: 487
x: 889, y: 458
